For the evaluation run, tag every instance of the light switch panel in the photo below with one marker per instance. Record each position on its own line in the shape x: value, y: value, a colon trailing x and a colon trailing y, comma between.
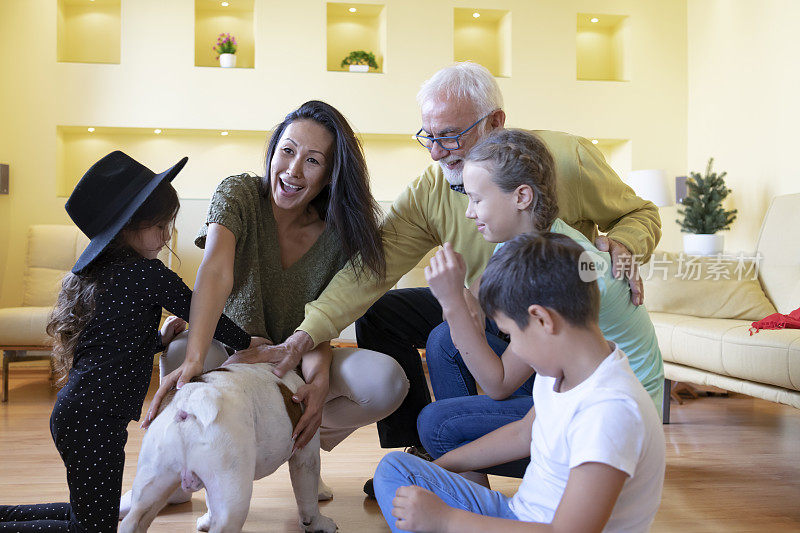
x: 4, y: 179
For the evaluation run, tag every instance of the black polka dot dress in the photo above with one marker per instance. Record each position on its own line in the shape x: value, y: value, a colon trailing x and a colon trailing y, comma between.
x: 106, y: 388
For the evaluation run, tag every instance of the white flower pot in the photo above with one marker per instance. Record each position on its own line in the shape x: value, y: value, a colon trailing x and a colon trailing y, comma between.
x: 359, y: 68
x: 703, y: 244
x: 227, y: 60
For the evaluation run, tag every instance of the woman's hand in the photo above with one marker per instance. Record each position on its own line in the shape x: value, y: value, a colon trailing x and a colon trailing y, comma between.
x: 175, y: 379
x: 173, y: 326
x: 286, y: 355
x: 445, y: 276
x: 312, y: 396
x: 420, y: 510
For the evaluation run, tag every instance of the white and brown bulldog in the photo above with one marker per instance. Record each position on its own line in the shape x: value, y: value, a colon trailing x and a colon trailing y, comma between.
x: 223, y: 430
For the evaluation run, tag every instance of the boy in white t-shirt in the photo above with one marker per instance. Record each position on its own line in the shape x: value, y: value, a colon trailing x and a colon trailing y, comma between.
x: 594, y: 436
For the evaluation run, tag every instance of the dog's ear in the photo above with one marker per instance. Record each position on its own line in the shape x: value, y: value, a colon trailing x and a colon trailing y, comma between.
x: 205, y: 405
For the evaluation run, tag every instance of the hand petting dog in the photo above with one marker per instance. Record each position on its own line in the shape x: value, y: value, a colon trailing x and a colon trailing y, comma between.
x: 184, y: 373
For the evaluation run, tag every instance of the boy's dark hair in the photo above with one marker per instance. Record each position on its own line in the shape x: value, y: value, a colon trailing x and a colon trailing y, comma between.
x: 539, y: 269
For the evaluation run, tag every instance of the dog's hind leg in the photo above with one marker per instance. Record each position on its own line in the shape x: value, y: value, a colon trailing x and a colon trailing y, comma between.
x: 228, y: 481
x: 179, y: 496
x: 304, y: 472
x: 151, y: 487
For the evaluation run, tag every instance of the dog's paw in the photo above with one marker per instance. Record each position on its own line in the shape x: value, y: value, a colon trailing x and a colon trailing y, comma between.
x: 204, y: 522
x: 320, y: 524
x: 125, y: 504
x: 324, y: 492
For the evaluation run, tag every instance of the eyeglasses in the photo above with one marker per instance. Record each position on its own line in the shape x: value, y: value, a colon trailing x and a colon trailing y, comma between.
x: 449, y: 142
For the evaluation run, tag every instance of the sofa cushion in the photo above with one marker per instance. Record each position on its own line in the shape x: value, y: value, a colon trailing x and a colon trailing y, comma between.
x: 52, y: 251
x: 726, y: 347
x: 779, y: 249
x: 711, y: 287
x: 24, y: 326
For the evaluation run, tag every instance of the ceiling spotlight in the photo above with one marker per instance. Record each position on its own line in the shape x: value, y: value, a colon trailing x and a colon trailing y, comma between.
x: 90, y: 130
x: 224, y: 4
x: 223, y: 133
x: 352, y: 10
x: 156, y: 131
x: 476, y: 15
x: 595, y: 141
x: 594, y: 19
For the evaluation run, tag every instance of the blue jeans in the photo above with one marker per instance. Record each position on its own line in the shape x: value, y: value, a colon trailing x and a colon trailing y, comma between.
x: 398, y: 469
x: 459, y: 415
x: 450, y: 377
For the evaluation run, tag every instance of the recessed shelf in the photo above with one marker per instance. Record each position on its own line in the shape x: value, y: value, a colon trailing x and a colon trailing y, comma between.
x: 485, y: 39
x: 393, y: 159
x: 353, y: 27
x: 212, y: 18
x: 88, y: 32
x: 212, y: 156
x: 602, y: 47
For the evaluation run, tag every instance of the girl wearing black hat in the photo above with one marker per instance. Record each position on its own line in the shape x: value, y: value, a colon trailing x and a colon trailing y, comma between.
x: 105, y: 330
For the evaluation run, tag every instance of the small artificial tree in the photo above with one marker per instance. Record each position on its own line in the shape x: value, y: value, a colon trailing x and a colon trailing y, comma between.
x: 360, y: 57
x: 702, y: 209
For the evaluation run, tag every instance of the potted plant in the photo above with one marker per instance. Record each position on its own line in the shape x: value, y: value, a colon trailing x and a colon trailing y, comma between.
x: 360, y: 61
x: 703, y: 214
x: 226, y: 50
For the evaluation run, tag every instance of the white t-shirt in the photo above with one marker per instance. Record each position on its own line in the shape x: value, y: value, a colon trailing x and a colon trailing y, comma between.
x: 608, y: 418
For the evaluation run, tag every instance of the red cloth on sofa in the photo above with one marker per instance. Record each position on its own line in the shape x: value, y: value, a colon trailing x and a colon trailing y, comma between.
x: 777, y: 321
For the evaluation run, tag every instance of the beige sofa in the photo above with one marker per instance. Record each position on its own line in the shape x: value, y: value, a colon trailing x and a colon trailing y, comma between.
x: 703, y: 325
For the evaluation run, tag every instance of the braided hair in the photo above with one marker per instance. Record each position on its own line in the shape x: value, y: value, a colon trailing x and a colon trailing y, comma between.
x: 517, y: 157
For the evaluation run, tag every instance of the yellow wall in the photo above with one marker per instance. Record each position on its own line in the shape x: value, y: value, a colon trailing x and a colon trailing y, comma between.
x: 153, y: 89
x: 743, y: 106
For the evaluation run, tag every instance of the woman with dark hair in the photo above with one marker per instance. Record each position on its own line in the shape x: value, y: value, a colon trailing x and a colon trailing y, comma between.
x: 271, y: 245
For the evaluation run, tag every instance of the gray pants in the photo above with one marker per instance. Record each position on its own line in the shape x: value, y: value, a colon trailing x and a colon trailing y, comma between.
x: 365, y: 386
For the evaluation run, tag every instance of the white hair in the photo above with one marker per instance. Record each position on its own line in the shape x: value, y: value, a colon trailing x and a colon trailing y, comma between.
x: 465, y: 80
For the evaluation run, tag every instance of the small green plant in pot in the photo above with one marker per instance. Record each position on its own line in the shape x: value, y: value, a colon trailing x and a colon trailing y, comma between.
x: 703, y: 213
x: 226, y: 50
x: 360, y: 61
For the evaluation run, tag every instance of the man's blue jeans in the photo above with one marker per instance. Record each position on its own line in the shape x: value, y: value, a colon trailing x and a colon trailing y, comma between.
x: 459, y: 415
x: 398, y: 469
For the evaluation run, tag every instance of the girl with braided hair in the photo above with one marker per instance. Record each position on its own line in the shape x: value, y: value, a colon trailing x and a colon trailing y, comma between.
x: 510, y: 181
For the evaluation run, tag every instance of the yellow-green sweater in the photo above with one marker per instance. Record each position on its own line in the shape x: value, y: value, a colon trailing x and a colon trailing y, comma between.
x: 428, y: 214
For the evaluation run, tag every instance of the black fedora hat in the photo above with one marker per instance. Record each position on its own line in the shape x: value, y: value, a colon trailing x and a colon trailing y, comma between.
x: 107, y: 196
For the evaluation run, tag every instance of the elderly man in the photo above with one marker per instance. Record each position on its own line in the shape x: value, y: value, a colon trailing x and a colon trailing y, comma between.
x: 460, y: 104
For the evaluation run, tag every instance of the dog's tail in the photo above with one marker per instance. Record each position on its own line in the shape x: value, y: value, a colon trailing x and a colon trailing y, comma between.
x: 199, y: 402
x: 196, y: 407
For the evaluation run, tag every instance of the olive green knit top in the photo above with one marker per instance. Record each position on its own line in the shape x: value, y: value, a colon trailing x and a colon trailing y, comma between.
x: 267, y: 300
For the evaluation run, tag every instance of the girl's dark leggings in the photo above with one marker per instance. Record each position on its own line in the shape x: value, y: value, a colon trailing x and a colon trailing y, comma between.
x: 92, y: 447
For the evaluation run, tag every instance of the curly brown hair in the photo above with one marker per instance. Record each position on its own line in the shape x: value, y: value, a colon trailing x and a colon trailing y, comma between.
x: 75, y: 305
x: 518, y: 157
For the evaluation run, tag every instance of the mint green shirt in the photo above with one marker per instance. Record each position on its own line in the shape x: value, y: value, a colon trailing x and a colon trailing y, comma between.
x: 627, y: 325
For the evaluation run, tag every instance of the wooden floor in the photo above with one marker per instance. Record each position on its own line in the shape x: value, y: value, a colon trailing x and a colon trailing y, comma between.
x: 733, y: 464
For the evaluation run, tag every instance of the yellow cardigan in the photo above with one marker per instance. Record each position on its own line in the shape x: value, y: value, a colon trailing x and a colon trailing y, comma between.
x: 428, y: 214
